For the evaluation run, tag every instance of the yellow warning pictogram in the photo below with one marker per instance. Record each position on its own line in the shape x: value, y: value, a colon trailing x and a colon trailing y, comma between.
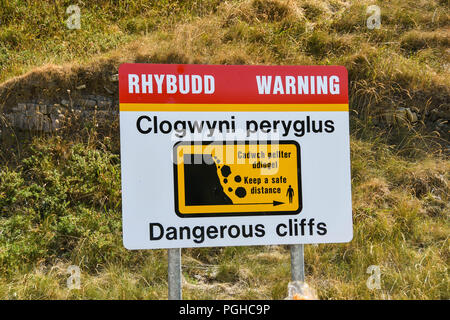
x: 229, y: 178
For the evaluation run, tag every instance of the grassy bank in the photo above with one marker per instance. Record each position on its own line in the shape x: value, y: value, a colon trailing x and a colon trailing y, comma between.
x: 60, y: 206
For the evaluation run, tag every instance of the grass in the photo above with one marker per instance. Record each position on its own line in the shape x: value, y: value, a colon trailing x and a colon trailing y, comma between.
x: 60, y: 197
x: 60, y: 206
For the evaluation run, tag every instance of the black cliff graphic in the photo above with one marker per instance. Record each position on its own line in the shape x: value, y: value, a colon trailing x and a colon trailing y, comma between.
x: 201, y: 182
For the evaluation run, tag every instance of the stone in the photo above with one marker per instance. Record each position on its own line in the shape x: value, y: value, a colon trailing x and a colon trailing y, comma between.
x: 55, y: 111
x: 43, y: 115
x: 39, y: 122
x: 17, y: 121
x: 55, y: 124
x: 76, y: 111
x: 21, y: 108
x: 434, y: 115
x: 26, y: 123
x: 108, y: 90
x: 441, y: 122
x: 65, y: 102
x: 10, y: 119
x: 411, y: 116
x: 103, y: 115
x: 389, y: 117
x: 42, y: 109
x: 375, y: 120
x: 88, y: 103
x: 104, y: 104
x: 30, y: 109
x: 47, y: 125
x: 56, y: 121
x: 403, y: 116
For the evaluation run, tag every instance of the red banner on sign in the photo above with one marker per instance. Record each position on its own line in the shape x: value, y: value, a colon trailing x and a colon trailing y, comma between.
x: 219, y: 84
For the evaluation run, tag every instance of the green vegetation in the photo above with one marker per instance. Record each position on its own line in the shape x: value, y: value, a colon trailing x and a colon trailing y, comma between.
x: 60, y: 198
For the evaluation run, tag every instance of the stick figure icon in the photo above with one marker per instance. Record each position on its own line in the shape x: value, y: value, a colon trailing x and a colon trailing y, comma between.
x: 290, y: 193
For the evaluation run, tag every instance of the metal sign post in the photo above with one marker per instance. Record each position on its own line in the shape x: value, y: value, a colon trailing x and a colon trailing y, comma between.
x: 174, y: 269
x: 297, y: 263
x: 174, y: 273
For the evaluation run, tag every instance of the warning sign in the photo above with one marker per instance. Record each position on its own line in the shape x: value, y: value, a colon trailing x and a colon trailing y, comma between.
x: 237, y: 178
x: 234, y: 155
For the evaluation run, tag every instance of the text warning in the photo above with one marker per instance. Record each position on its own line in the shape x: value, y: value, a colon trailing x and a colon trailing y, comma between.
x: 220, y: 155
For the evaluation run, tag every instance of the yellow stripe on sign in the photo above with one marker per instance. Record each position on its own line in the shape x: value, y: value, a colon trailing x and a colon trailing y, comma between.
x: 171, y: 107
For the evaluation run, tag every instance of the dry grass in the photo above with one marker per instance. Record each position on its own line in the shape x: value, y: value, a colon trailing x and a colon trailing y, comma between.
x: 267, y: 32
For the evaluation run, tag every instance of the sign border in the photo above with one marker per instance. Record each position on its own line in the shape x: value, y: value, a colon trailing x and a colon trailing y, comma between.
x: 235, y: 214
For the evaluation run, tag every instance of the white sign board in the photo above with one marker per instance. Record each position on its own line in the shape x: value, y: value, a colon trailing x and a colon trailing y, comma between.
x: 234, y: 155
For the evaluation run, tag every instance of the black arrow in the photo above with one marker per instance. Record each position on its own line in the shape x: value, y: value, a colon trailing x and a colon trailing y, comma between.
x: 274, y: 203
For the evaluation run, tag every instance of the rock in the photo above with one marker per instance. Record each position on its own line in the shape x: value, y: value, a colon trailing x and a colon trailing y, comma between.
x: 38, y: 122
x: 14, y: 121
x: 76, y: 111
x: 55, y: 124
x: 107, y: 90
x: 389, y: 117
x: 104, y: 104
x: 10, y: 118
x: 26, y: 122
x: 375, y: 120
x: 57, y: 121
x: 42, y: 109
x: 88, y: 103
x: 412, y: 116
x: 103, y: 115
x: 403, y: 116
x: 22, y: 122
x: 434, y: 115
x: 31, y: 109
x: 47, y: 125
x: 42, y: 115
x: 65, y: 103
x: 55, y: 111
x: 441, y: 122
x: 21, y: 108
